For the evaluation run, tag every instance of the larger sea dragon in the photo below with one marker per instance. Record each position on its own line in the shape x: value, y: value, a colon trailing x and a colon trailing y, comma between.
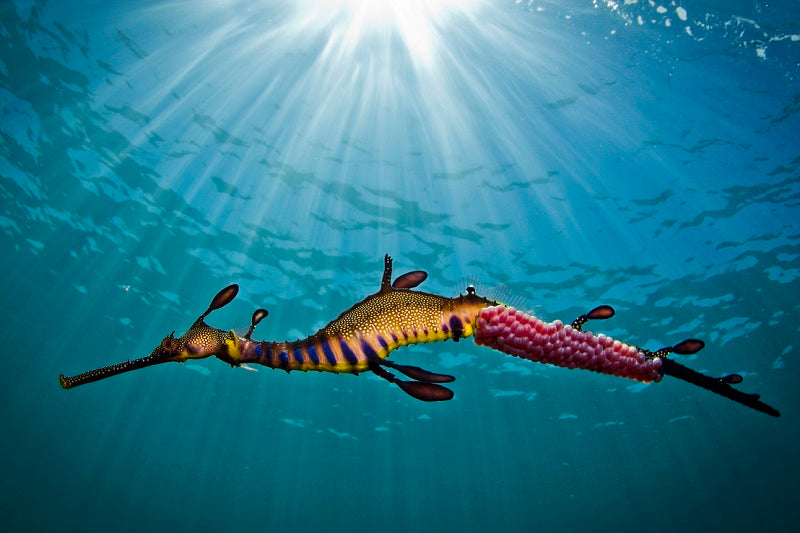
x: 361, y: 338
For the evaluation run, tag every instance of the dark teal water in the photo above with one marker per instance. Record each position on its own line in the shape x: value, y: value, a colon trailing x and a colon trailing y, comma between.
x: 638, y: 154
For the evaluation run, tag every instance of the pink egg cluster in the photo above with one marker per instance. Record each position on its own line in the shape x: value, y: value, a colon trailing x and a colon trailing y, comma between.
x: 522, y: 335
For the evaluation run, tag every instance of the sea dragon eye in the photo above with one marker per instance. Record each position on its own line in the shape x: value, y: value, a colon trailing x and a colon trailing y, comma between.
x: 170, y: 344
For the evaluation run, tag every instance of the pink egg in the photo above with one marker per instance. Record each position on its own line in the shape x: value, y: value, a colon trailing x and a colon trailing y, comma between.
x: 529, y: 346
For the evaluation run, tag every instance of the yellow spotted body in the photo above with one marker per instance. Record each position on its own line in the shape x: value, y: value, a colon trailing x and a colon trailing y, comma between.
x: 371, y: 329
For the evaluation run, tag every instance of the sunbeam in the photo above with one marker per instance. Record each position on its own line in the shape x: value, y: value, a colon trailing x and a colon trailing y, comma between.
x: 349, y: 90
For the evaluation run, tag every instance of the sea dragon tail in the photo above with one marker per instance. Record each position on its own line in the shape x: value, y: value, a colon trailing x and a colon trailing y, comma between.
x: 523, y: 335
x: 719, y: 386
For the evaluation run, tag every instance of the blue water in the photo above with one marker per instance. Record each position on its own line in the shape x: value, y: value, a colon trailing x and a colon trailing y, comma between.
x: 644, y: 155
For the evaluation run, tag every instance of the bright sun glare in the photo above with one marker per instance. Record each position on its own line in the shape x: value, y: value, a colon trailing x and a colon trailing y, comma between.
x: 415, y: 22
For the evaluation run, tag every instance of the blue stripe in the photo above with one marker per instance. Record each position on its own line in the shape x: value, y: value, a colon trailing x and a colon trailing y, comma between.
x: 368, y: 351
x: 348, y: 353
x: 298, y: 355
x: 457, y: 326
x: 312, y: 354
x: 284, y: 357
x: 381, y: 341
x: 257, y: 350
x: 326, y: 349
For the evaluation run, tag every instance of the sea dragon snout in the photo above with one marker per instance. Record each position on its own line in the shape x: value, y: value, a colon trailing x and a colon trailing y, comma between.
x: 361, y: 338
x: 163, y: 353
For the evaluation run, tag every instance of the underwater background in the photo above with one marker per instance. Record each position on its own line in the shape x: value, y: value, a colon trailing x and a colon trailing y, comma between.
x: 558, y: 154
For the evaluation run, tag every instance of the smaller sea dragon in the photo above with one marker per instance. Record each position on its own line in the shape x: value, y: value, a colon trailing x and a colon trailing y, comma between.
x: 361, y: 338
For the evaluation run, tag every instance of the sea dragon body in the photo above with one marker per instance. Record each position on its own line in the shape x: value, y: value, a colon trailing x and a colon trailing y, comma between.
x: 361, y: 338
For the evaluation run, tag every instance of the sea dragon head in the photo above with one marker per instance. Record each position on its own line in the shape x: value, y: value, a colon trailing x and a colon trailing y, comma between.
x: 200, y: 341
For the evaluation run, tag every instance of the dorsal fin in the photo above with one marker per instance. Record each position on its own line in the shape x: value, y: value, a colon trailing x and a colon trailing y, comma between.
x: 409, y: 280
x: 387, y: 273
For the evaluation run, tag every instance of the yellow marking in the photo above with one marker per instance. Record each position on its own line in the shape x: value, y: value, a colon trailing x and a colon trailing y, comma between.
x: 468, y: 329
x: 232, y: 345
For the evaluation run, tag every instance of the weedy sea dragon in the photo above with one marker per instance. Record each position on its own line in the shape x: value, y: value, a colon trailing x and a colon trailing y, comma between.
x: 361, y: 338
